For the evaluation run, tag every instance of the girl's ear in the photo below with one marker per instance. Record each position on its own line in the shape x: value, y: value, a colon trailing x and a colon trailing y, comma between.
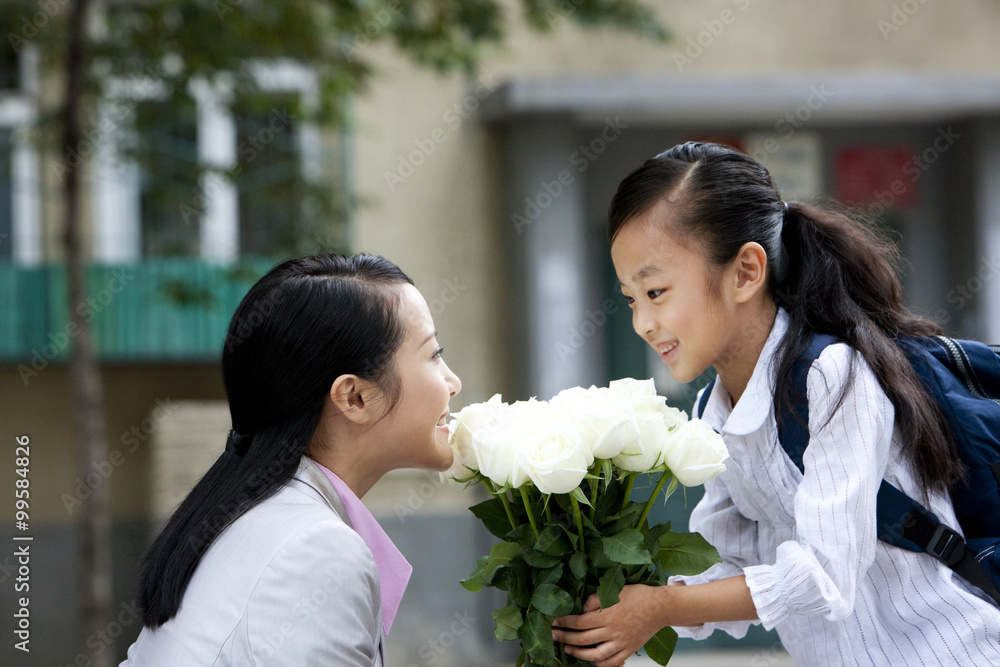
x: 751, y: 271
x: 353, y: 397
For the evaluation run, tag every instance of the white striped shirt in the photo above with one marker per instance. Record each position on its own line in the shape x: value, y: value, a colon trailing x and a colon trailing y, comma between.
x: 807, y: 543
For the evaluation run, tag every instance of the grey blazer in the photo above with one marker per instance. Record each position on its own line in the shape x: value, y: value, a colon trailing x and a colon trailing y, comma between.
x: 288, y: 583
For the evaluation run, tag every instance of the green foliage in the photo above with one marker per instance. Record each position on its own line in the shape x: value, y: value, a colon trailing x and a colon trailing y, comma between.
x: 552, y: 575
x: 661, y: 646
x: 163, y: 50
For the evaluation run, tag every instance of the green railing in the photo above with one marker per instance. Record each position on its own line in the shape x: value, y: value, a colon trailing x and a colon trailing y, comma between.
x: 163, y: 309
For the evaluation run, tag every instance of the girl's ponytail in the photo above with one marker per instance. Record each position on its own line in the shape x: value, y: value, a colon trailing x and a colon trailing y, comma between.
x: 842, y: 279
x: 833, y: 273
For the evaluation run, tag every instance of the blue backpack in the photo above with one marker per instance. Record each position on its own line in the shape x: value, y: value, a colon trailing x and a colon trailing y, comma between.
x: 964, y: 378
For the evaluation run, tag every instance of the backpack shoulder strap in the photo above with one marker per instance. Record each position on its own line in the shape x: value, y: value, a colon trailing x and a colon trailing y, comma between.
x: 703, y: 401
x: 901, y: 521
x: 793, y: 420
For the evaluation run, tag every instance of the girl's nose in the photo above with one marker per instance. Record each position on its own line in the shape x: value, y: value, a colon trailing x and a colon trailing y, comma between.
x: 643, y: 323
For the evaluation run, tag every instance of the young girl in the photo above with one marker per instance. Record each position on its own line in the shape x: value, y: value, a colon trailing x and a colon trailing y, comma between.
x: 334, y: 377
x: 719, y: 271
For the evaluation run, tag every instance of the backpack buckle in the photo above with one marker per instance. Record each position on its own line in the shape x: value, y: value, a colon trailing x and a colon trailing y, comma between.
x: 946, y: 545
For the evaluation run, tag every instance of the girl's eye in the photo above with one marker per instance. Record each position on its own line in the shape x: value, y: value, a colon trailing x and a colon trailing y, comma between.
x: 628, y: 300
x: 653, y: 293
x: 438, y: 353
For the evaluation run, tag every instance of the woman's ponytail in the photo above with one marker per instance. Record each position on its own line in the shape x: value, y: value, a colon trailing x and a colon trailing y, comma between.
x: 304, y: 324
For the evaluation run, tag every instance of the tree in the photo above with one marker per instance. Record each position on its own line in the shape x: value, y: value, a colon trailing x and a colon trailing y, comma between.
x: 178, y: 44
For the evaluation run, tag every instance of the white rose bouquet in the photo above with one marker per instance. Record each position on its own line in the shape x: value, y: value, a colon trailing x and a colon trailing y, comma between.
x: 561, y: 473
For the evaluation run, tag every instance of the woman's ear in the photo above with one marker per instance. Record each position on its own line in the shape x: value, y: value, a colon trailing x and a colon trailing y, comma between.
x: 751, y: 271
x: 353, y: 397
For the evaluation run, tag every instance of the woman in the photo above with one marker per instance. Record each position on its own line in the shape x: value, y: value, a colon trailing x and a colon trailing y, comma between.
x: 334, y: 377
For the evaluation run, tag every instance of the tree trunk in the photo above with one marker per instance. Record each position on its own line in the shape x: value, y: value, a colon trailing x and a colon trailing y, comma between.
x: 88, y: 399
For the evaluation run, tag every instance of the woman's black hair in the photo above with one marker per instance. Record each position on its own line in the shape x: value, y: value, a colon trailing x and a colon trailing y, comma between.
x: 306, y: 322
x: 834, y: 273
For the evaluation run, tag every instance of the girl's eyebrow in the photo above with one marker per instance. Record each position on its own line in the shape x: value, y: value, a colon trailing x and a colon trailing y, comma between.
x: 428, y: 339
x: 645, y: 272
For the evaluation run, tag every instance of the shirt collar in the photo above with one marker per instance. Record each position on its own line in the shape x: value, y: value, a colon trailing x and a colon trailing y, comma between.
x: 757, y: 400
x: 393, y: 569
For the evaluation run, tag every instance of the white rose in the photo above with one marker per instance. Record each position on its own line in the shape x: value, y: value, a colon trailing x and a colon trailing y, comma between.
x: 557, y: 456
x: 630, y: 387
x: 473, y: 421
x: 500, y: 450
x: 697, y: 453
x: 657, y: 423
x: 608, y: 421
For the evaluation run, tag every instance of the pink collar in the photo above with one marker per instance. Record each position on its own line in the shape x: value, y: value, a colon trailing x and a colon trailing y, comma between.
x: 393, y: 569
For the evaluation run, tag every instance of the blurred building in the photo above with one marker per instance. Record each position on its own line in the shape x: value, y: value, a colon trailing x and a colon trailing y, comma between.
x: 491, y: 193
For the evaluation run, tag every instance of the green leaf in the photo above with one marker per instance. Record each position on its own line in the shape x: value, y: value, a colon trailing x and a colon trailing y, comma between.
x: 536, y: 637
x: 501, y: 555
x: 580, y: 496
x: 606, y: 472
x: 685, y: 553
x: 626, y: 547
x: 550, y: 575
x: 507, y: 620
x: 578, y: 565
x: 552, y: 600
x: 493, y: 516
x: 661, y: 646
x: 653, y: 536
x: 538, y: 559
x: 610, y: 587
x: 552, y: 542
x: 626, y: 519
x: 474, y: 582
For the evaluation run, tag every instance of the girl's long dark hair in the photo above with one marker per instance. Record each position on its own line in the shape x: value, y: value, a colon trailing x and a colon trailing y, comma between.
x: 306, y: 322
x: 832, y: 272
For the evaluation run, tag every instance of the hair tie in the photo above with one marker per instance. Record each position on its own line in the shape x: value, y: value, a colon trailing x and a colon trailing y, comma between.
x: 237, y: 443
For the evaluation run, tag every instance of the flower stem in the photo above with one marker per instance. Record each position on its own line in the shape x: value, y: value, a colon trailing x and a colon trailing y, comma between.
x: 527, y: 508
x: 579, y: 522
x: 628, y: 488
x: 652, y: 498
x: 594, y: 484
x: 503, y: 499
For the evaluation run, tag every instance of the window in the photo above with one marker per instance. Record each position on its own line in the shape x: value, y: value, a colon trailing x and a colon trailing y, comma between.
x: 169, y: 197
x: 269, y: 179
x: 6, y: 192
